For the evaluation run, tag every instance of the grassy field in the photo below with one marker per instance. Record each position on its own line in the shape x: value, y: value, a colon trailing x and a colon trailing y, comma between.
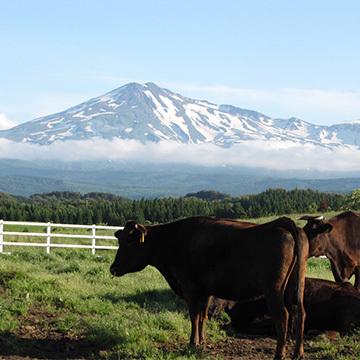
x: 66, y: 305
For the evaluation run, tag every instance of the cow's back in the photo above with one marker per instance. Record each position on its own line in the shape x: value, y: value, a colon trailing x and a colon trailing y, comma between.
x: 224, y: 257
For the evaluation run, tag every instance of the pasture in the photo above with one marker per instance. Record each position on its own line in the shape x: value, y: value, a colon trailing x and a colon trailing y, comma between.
x: 66, y: 305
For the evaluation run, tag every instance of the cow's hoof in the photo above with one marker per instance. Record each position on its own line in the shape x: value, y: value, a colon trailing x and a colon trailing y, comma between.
x: 298, y: 355
x: 194, y: 345
x: 279, y: 357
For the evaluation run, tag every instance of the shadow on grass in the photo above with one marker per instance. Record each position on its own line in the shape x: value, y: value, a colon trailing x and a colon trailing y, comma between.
x: 154, y: 301
x: 48, y: 348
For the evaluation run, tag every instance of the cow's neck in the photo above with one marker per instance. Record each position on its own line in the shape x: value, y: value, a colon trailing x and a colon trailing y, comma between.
x: 158, y: 258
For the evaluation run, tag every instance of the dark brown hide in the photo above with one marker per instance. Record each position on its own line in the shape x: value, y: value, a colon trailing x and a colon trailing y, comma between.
x: 341, y: 245
x: 329, y: 306
x: 201, y: 256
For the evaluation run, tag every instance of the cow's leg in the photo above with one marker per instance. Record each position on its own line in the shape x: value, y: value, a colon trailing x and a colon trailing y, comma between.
x: 357, y: 278
x: 202, y: 321
x: 295, y: 303
x: 194, y: 312
x: 300, y: 327
x: 280, y: 315
x: 335, y: 272
x: 196, y: 304
x: 290, y: 305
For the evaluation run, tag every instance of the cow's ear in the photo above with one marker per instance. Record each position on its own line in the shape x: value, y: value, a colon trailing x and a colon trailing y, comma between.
x: 141, y: 228
x: 327, y: 228
x: 143, y: 232
x: 118, y: 234
x: 130, y: 225
x: 322, y: 228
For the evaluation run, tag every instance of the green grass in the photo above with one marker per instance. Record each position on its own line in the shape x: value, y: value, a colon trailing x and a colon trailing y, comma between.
x: 67, y: 303
x: 129, y: 317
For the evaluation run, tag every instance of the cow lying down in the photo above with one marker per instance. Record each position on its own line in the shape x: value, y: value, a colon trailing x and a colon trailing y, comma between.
x: 330, y: 306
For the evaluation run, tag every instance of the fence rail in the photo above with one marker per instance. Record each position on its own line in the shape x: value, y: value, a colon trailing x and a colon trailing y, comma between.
x: 49, y: 235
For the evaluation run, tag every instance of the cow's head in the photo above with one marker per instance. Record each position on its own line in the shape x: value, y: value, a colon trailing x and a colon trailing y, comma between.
x: 131, y: 255
x: 315, y: 229
x: 321, y: 243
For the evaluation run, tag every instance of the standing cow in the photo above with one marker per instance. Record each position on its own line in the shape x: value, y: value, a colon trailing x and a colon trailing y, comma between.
x: 202, y: 256
x: 341, y: 246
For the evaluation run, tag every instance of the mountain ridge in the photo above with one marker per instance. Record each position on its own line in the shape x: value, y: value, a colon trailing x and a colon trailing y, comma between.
x: 149, y: 113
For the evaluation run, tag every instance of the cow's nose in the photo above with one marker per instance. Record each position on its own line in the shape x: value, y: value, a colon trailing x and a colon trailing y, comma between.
x: 112, y: 271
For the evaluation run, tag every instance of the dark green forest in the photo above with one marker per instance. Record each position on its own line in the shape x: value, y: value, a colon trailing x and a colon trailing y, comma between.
x: 102, y: 208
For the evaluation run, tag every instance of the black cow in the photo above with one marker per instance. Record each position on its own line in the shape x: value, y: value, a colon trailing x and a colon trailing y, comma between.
x: 202, y: 256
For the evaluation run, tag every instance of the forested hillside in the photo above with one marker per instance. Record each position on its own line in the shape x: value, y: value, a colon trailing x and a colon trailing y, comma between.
x: 69, y: 207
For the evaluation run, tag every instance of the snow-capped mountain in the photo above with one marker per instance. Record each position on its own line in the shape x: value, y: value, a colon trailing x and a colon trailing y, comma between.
x: 147, y: 112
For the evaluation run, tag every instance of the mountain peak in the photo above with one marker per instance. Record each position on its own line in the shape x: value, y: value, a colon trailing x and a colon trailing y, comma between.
x: 147, y: 112
x: 131, y: 86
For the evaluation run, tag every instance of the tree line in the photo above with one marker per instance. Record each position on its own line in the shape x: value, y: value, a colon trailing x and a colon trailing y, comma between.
x: 101, y: 208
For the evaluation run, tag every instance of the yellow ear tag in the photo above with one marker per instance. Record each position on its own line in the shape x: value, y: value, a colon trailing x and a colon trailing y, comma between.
x: 142, y: 238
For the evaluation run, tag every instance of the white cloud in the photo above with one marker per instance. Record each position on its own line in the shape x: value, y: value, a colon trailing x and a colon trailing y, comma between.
x: 275, y: 155
x: 5, y: 123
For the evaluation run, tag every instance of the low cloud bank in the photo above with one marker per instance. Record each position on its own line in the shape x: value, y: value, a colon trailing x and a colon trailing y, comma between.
x: 284, y: 155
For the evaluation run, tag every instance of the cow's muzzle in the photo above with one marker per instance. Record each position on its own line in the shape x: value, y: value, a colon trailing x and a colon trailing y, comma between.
x: 113, y: 271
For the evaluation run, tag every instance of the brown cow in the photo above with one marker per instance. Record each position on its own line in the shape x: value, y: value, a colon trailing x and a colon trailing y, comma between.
x: 202, y: 256
x: 341, y: 246
x: 329, y: 306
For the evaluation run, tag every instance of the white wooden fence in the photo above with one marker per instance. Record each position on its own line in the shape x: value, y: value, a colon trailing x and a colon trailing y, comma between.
x: 49, y: 235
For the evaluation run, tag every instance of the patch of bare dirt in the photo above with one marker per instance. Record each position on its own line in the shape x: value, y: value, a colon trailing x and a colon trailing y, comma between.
x: 243, y: 347
x: 246, y: 347
x: 37, y: 338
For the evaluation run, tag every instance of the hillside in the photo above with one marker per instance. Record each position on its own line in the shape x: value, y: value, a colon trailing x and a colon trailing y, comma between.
x: 95, y: 208
x: 146, y: 180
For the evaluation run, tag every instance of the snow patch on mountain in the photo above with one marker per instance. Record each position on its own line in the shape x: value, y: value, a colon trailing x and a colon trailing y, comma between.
x: 148, y: 113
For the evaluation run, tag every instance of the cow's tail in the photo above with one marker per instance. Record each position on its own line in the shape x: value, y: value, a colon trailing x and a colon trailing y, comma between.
x: 301, y: 255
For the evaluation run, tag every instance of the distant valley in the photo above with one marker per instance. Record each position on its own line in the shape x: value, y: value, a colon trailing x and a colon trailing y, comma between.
x: 137, y: 181
x: 149, y: 114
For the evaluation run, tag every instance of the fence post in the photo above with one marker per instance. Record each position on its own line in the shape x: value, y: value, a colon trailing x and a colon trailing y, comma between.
x: 93, y: 250
x: 1, y: 235
x: 48, y: 237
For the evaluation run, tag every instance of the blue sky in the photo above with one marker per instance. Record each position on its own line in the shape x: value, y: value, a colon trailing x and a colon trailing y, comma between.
x: 282, y: 58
